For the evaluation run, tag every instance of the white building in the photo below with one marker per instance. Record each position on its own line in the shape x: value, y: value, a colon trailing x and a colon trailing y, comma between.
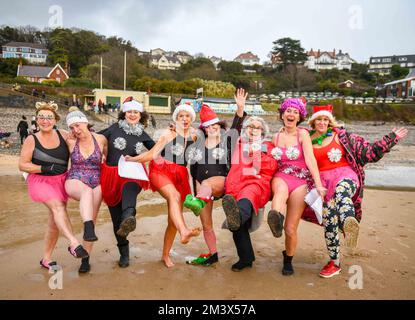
x: 164, y: 62
x: 215, y: 61
x: 327, y: 60
x: 168, y: 60
x: 247, y: 59
x: 32, y: 52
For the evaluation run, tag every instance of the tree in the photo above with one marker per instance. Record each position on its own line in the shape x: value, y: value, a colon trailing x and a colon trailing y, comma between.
x: 398, y: 72
x: 231, y: 67
x: 8, y: 66
x: 289, y: 51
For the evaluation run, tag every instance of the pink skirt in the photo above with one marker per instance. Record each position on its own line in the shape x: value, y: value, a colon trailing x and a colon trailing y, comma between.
x: 330, y: 179
x: 45, y: 188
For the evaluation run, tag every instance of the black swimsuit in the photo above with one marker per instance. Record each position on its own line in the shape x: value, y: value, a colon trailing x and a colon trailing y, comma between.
x: 176, y: 151
x: 46, y: 157
x: 214, y: 164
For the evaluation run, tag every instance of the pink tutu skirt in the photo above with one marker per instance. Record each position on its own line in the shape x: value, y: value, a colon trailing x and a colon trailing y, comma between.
x: 330, y: 179
x: 45, y: 188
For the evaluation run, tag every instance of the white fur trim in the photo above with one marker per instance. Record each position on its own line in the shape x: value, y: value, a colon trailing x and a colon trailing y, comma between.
x: 73, y: 120
x: 132, y: 105
x: 184, y: 107
x: 326, y: 113
x: 210, y: 122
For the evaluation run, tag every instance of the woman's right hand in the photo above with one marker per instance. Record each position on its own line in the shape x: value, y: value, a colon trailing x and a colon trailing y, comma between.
x: 130, y: 158
x: 321, y: 191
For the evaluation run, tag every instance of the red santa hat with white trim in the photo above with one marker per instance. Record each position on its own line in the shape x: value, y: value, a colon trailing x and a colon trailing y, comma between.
x: 130, y: 104
x: 319, y: 111
x: 207, y: 116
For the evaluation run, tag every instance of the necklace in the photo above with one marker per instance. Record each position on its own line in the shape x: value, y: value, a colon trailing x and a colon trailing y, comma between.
x: 320, y: 139
x: 131, y: 129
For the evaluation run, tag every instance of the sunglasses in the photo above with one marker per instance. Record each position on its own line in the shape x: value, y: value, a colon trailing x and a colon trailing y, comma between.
x: 48, y: 118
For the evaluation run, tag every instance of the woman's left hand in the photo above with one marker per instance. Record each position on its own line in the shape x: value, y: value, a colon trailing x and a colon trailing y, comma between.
x: 400, y: 133
x: 129, y: 158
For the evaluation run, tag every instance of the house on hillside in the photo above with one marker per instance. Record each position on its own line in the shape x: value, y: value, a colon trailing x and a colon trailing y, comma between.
x: 327, y: 60
x: 41, y: 73
x: 164, y: 62
x: 383, y: 65
x: 247, y: 59
x: 215, y: 61
x: 348, y: 84
x: 403, y: 88
x: 32, y: 52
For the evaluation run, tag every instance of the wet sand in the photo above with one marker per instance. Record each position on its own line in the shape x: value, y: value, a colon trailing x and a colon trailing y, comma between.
x: 385, y: 253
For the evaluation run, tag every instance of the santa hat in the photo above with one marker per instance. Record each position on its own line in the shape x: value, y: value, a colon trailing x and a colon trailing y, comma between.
x: 207, y: 116
x: 131, y: 104
x: 319, y: 111
x: 184, y: 107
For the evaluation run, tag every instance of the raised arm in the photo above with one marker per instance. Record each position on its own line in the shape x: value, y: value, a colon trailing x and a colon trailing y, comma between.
x: 366, y: 152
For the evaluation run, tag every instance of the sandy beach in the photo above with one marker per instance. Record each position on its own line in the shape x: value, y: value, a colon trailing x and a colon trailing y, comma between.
x: 385, y: 253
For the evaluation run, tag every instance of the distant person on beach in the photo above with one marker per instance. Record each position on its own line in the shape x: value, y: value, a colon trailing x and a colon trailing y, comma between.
x: 34, y: 127
x: 125, y: 138
x: 153, y: 121
x: 341, y: 157
x: 297, y: 175
x: 169, y: 175
x: 82, y: 184
x: 23, y: 129
x: 44, y: 156
x: 248, y: 187
x: 210, y: 160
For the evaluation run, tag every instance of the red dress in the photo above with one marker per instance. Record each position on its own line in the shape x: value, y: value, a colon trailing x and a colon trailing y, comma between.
x: 171, y: 167
x: 112, y: 184
x: 250, y: 177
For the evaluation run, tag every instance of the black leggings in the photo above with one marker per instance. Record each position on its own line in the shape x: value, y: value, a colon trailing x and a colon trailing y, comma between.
x: 23, y: 136
x: 241, y: 237
x: 128, y: 200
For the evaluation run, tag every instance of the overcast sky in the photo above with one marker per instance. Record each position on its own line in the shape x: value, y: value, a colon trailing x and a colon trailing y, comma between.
x: 225, y: 28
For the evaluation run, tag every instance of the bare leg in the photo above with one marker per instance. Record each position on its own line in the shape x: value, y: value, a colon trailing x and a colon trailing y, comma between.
x: 60, y: 216
x: 169, y: 236
x: 97, y: 199
x: 51, y: 238
x: 295, y: 208
x: 79, y: 191
x: 217, y: 184
x: 175, y: 206
x: 280, y: 195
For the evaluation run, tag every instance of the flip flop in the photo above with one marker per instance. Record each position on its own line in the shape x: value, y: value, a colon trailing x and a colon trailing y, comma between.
x: 78, y: 252
x: 49, y: 265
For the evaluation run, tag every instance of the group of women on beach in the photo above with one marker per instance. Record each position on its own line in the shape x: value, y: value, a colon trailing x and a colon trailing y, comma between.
x: 237, y: 165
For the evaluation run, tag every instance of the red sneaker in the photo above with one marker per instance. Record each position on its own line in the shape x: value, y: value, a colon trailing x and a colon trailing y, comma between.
x: 330, y: 270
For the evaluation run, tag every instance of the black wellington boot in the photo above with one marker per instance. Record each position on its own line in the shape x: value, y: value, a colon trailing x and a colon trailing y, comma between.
x: 128, y: 223
x: 124, y: 256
